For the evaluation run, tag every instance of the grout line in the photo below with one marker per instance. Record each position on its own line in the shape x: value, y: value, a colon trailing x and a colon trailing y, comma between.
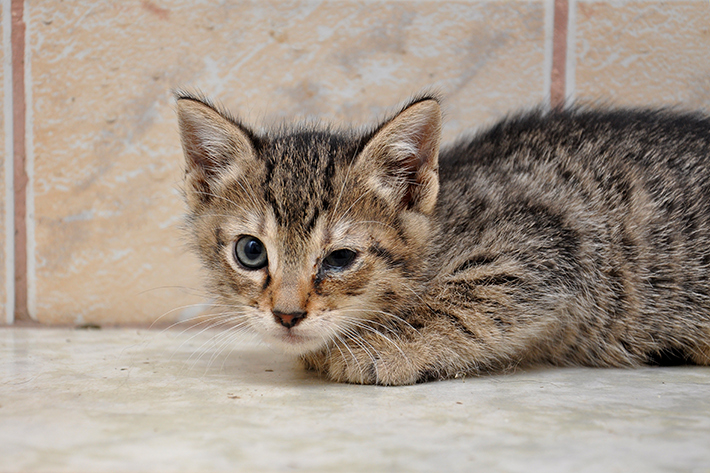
x: 559, y: 54
x: 9, y: 200
x: 30, y: 252
x: 19, y: 172
x: 571, y: 65
x: 549, y: 29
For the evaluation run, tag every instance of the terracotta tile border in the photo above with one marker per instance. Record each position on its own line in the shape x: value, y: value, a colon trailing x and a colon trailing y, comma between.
x: 17, y: 36
x: 559, y: 54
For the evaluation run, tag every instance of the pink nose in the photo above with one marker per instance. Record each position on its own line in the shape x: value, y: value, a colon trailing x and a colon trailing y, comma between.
x: 289, y: 320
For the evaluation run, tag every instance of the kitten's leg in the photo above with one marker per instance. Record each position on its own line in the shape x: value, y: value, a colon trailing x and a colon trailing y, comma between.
x: 702, y: 356
x: 701, y: 353
x: 376, y: 354
x: 435, y: 343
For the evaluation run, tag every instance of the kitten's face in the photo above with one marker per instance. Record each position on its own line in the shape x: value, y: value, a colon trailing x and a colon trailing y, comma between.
x: 307, y: 235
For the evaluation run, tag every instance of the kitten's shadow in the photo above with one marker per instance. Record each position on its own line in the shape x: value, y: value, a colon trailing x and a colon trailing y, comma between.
x: 252, y: 364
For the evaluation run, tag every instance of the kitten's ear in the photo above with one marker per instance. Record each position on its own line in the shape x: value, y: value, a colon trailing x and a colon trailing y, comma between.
x: 211, y: 143
x: 401, y: 161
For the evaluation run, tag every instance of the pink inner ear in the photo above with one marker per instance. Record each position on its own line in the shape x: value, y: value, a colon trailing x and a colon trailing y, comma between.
x: 193, y: 123
x: 210, y: 139
x: 198, y: 156
x: 403, y: 155
x: 419, y: 166
x: 410, y: 165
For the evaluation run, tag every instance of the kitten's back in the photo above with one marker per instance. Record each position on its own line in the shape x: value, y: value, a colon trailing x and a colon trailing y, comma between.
x: 594, y: 224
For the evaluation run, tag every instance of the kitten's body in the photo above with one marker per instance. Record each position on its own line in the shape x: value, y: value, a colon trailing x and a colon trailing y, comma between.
x: 569, y: 237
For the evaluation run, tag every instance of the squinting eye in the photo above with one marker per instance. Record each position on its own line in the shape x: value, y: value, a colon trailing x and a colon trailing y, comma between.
x: 250, y: 252
x: 339, y: 259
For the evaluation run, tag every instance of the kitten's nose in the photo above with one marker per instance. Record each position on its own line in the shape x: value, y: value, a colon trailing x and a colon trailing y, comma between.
x: 289, y: 320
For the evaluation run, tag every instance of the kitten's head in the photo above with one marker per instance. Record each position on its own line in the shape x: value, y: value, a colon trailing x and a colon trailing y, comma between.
x: 311, y: 234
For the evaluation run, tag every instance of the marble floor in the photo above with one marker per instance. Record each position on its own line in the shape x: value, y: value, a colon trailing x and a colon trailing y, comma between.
x: 127, y: 400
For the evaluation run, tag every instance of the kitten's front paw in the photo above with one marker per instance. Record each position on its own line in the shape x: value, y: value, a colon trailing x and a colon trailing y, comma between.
x: 353, y: 364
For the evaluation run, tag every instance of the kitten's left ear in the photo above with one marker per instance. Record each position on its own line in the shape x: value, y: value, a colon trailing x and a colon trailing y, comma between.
x: 212, y: 143
x: 401, y: 161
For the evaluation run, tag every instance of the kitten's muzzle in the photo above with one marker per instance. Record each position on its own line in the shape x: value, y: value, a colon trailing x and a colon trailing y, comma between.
x: 289, y: 320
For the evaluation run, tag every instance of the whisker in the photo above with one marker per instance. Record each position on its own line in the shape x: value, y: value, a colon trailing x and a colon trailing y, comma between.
x: 225, y: 319
x: 360, y: 323
x: 358, y: 340
x: 362, y: 222
x: 333, y: 340
x: 341, y: 217
x: 352, y: 355
x: 190, y: 290
x: 213, y: 214
x: 202, y: 348
x: 226, y: 337
x: 388, y: 314
x: 377, y: 332
x: 250, y: 193
x: 186, y: 306
x: 254, y: 336
x: 212, y: 194
x: 345, y: 181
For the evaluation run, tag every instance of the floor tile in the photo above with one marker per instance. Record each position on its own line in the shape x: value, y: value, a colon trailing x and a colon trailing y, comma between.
x: 127, y: 400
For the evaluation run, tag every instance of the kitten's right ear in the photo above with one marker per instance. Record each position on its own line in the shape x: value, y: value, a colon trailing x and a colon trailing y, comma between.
x: 211, y: 142
x: 401, y: 161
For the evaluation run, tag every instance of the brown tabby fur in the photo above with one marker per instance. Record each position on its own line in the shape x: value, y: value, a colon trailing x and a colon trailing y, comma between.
x: 566, y: 237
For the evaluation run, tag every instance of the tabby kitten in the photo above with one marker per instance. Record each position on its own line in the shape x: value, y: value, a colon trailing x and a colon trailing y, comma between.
x: 565, y: 237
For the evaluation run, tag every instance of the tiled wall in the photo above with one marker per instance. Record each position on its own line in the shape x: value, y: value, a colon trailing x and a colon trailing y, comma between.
x: 643, y: 52
x: 102, y: 151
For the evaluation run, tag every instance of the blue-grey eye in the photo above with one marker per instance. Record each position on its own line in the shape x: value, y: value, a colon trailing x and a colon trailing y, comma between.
x: 250, y: 252
x: 339, y: 259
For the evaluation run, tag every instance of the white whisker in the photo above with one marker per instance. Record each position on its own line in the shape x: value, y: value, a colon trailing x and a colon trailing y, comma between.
x: 345, y: 181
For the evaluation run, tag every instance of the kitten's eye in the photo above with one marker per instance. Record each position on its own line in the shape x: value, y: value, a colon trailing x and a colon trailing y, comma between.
x: 250, y: 252
x: 339, y: 259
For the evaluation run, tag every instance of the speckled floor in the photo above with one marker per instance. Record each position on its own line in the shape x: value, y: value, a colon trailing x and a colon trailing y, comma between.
x: 129, y: 400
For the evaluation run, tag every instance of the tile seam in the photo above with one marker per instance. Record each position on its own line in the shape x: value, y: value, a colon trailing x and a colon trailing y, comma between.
x: 549, y: 12
x: 30, y: 251
x: 19, y: 171
x: 9, y: 214
x: 571, y: 60
x: 559, y: 53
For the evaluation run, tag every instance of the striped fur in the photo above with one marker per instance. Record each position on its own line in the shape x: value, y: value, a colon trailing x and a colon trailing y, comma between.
x: 563, y: 237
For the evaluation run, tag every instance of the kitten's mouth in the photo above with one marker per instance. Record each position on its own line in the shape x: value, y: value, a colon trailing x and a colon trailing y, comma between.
x: 293, y: 338
x: 294, y: 342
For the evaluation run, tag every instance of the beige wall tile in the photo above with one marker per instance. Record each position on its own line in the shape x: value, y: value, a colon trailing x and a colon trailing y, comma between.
x: 107, y: 162
x: 644, y: 52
